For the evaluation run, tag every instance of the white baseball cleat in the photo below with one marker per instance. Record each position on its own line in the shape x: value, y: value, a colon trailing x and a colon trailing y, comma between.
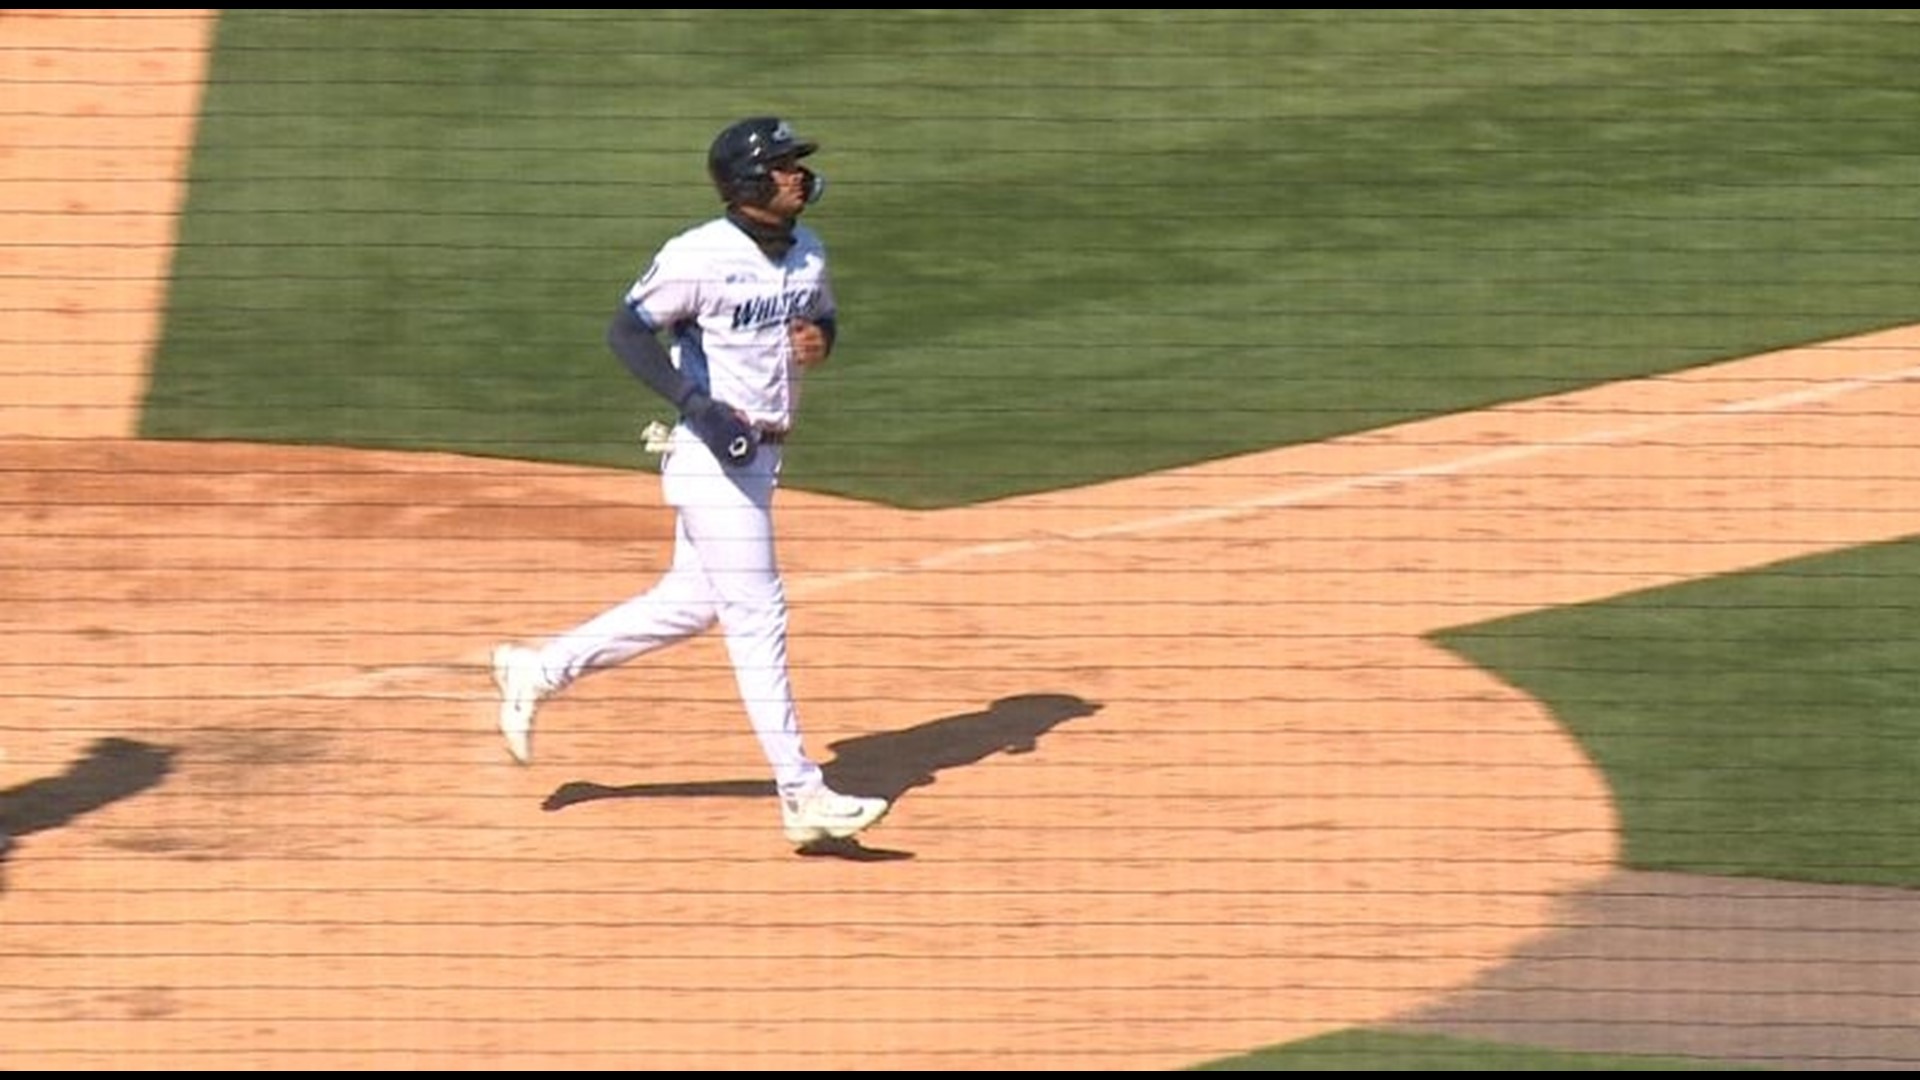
x: 516, y: 671
x: 823, y: 813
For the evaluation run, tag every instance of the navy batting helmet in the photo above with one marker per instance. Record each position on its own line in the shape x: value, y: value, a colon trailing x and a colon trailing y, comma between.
x: 743, y: 154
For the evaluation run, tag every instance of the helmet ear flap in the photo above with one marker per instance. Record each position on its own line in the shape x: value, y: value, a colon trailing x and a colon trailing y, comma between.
x: 753, y: 190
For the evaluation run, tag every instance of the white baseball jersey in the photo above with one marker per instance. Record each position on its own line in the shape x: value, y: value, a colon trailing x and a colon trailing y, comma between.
x: 727, y: 307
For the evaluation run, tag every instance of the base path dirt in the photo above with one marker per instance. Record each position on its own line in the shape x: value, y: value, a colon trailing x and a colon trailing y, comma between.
x: 1177, y: 774
x: 97, y: 112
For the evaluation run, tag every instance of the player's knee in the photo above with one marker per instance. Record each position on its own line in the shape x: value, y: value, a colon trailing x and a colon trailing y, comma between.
x: 754, y: 618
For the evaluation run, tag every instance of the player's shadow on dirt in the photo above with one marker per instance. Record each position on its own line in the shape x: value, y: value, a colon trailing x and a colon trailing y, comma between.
x: 888, y: 764
x: 112, y: 769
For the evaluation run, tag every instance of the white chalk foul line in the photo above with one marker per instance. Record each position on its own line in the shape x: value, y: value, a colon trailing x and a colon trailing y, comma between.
x: 1498, y: 456
x: 1289, y: 497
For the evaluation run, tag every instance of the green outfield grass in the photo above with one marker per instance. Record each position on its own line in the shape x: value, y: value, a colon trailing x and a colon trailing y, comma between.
x: 1075, y: 246
x: 1375, y: 1051
x: 1764, y: 724
x: 1072, y: 245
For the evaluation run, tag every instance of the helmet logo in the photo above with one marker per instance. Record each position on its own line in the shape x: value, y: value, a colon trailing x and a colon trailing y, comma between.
x: 781, y: 132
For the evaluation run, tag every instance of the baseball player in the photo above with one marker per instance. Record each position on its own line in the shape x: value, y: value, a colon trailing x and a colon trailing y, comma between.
x: 746, y: 303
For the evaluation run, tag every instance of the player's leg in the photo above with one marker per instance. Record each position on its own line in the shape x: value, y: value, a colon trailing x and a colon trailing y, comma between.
x: 679, y: 605
x: 730, y: 527
x: 733, y: 532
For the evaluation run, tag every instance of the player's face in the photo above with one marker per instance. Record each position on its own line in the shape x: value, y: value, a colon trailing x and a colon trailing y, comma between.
x: 789, y: 187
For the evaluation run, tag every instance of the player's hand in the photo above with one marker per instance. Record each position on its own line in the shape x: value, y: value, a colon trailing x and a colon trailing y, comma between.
x: 723, y: 429
x: 809, y: 342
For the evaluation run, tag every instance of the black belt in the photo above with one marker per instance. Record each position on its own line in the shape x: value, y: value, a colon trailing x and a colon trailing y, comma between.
x: 771, y: 436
